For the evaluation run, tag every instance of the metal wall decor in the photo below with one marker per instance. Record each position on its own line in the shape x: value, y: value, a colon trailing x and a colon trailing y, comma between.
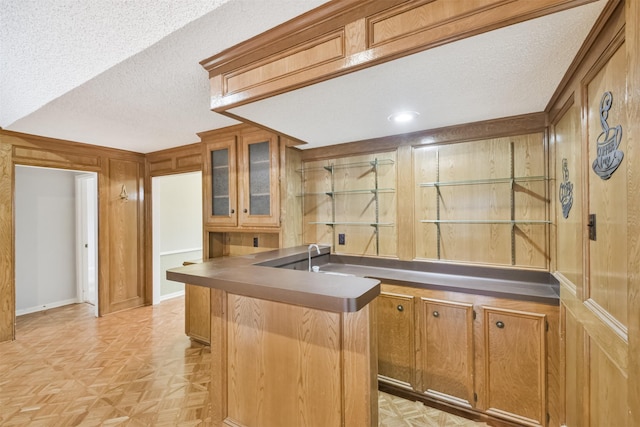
x: 608, y: 156
x: 566, y: 190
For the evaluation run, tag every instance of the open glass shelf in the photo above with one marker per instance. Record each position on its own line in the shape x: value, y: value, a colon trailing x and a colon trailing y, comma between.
x: 484, y: 181
x: 373, y: 163
x: 363, y: 191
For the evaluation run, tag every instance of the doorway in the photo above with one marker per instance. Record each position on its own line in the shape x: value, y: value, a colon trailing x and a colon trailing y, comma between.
x: 54, y: 210
x: 177, y: 228
x: 86, y: 186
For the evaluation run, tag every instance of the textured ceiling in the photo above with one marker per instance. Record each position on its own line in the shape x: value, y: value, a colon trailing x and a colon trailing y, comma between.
x: 509, y: 71
x: 122, y: 74
x: 126, y: 74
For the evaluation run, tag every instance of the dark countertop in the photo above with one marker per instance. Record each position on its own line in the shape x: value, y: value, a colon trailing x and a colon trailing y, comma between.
x: 525, y: 285
x: 357, y: 282
x: 241, y: 275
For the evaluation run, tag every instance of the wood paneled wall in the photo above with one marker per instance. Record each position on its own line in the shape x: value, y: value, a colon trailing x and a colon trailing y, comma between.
x: 632, y: 41
x: 468, y: 194
x: 7, y: 276
x: 348, y: 196
x: 121, y: 236
x: 599, y: 278
x: 482, y: 151
x: 186, y: 158
x: 121, y: 224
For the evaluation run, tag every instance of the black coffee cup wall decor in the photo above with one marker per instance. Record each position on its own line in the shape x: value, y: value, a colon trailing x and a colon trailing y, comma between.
x: 608, y: 157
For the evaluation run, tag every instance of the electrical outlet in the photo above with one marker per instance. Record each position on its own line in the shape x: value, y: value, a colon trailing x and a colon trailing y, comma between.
x: 255, y: 242
x: 341, y: 238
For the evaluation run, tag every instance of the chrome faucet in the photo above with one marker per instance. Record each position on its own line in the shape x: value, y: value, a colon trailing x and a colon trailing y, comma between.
x: 311, y: 246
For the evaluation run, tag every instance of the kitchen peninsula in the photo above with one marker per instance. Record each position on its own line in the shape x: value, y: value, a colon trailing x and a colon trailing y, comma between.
x: 289, y: 344
x: 288, y: 347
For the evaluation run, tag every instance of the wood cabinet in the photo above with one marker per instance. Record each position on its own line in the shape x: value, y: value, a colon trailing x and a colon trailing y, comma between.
x: 197, y: 320
x: 396, y: 340
x: 515, y: 365
x: 493, y: 357
x: 240, y: 176
x: 197, y: 312
x: 446, y: 331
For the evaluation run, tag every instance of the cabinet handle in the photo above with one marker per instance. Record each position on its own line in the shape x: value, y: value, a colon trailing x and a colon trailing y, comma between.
x: 500, y: 324
x: 436, y: 314
x: 400, y: 307
x: 244, y: 210
x: 233, y: 211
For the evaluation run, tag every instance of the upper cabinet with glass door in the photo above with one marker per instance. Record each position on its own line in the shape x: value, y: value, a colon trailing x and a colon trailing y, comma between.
x: 258, y: 175
x: 241, y: 179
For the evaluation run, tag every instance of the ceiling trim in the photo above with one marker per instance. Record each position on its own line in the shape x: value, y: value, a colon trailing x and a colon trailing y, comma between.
x: 318, y: 46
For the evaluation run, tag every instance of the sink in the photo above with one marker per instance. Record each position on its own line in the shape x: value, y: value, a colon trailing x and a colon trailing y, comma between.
x: 335, y: 273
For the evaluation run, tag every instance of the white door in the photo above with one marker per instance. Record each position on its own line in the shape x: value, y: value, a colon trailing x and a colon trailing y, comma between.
x: 87, y: 238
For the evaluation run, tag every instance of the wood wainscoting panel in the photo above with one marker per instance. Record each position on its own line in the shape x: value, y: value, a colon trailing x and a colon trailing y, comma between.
x: 52, y: 158
x: 186, y: 158
x: 608, y: 198
x: 568, y: 173
x: 7, y: 280
x: 573, y: 360
x: 313, y: 53
x: 607, y: 390
x: 632, y: 37
x: 419, y: 16
x: 359, y: 375
x: 290, y: 200
x: 295, y: 377
x: 124, y: 241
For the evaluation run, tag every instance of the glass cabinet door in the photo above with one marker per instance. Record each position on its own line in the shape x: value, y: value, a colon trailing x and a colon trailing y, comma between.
x: 222, y: 184
x: 260, y: 204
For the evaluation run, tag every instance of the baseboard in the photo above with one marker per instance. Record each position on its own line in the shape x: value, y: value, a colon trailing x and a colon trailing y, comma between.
x: 47, y: 306
x: 172, y: 295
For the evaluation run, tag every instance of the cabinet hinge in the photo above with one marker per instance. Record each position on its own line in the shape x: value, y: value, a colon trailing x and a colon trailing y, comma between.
x: 474, y: 314
x: 548, y: 418
x: 475, y: 397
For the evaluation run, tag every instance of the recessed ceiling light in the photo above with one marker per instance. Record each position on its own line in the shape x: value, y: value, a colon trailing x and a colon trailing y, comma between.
x: 403, y: 116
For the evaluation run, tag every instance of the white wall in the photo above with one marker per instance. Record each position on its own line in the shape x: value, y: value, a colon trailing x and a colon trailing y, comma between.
x: 45, y: 238
x: 177, y: 224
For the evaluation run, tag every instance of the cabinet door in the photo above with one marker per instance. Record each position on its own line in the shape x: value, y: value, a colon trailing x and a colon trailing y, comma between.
x: 221, y: 182
x: 197, y: 321
x: 515, y: 364
x: 396, y: 340
x: 447, y: 350
x: 259, y: 191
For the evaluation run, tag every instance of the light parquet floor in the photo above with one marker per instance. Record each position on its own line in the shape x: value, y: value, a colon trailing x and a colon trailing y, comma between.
x: 134, y: 368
